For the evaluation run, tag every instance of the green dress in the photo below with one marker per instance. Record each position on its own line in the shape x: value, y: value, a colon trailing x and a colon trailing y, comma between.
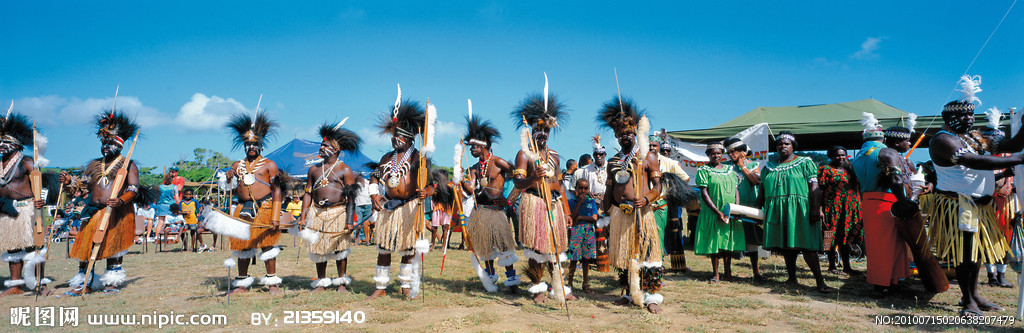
x: 748, y: 193
x: 713, y: 236
x: 786, y: 206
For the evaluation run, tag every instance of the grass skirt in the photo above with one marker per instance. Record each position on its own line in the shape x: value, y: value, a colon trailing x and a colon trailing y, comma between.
x: 330, y: 221
x: 622, y: 235
x: 16, y: 232
x: 490, y: 232
x: 260, y: 237
x: 533, y: 225
x: 396, y: 229
x: 948, y: 240
x: 120, y: 234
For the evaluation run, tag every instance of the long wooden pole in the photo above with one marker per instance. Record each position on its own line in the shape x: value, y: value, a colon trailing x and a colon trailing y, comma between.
x: 36, y: 180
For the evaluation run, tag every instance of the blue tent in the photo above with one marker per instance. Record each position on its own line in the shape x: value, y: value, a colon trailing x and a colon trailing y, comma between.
x: 296, y: 156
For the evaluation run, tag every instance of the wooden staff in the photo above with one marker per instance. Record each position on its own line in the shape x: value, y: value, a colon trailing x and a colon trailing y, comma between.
x: 421, y: 184
x: 36, y: 179
x: 546, y: 196
x: 101, y: 231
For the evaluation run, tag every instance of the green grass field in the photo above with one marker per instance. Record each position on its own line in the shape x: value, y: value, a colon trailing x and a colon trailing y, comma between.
x: 192, y: 284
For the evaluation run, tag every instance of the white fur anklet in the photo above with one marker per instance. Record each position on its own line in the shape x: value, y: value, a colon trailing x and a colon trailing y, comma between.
x: 383, y: 277
x: 270, y: 280
x: 14, y: 283
x: 655, y: 298
x: 114, y: 276
x: 342, y: 281
x: 243, y: 282
x: 270, y: 254
x: 568, y: 291
x: 405, y: 275
x: 321, y: 283
x: 538, y: 288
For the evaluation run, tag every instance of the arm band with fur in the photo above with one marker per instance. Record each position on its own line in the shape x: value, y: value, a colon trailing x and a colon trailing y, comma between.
x: 128, y: 195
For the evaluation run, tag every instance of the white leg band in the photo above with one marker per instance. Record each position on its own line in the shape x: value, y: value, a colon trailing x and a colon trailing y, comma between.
x: 13, y: 257
x: 655, y: 298
x: 317, y: 258
x: 342, y: 255
x: 270, y: 254
x: 513, y: 281
x: 321, y: 283
x: 507, y: 258
x: 114, y: 277
x: 243, y: 283
x: 405, y: 275
x: 342, y: 281
x: 32, y: 259
x: 383, y: 277
x: 538, y: 288
x: 270, y: 280
x: 14, y: 283
x: 244, y: 254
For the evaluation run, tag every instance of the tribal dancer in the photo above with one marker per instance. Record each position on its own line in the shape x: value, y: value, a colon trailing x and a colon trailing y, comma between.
x: 17, y: 209
x: 634, y: 183
x: 114, y: 129
x: 964, y: 231
x: 535, y: 167
x: 490, y: 230
x: 328, y: 207
x: 258, y: 183
x: 396, y: 229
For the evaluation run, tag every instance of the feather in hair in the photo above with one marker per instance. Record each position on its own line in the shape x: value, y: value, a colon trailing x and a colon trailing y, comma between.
x: 869, y: 121
x: 398, y: 102
x: 642, y: 137
x: 9, y: 110
x: 994, y: 116
x: 346, y: 139
x: 545, y: 91
x: 911, y: 121
x: 428, y: 132
x: 408, y: 117
x: 532, y: 108
x: 597, y: 141
x: 340, y: 123
x: 262, y: 127
x: 616, y: 116
x: 457, y: 165
x: 470, y: 103
x: 970, y: 87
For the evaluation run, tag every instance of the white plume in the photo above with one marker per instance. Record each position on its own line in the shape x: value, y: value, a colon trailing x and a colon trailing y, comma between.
x: 971, y: 86
x: 545, y: 92
x: 254, y: 113
x: 40, y: 141
x: 230, y: 263
x: 428, y: 133
x: 398, y: 101
x: 457, y: 167
x: 524, y: 142
x: 342, y: 122
x: 912, y: 121
x: 869, y: 121
x: 470, y: 103
x: 9, y: 110
x: 994, y: 116
x: 642, y: 138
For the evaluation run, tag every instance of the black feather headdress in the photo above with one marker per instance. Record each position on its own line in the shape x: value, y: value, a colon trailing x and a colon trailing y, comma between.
x: 247, y: 129
x: 17, y: 128
x: 532, y: 108
x: 622, y: 120
x: 340, y: 138
x: 405, y: 121
x: 480, y: 132
x: 116, y: 125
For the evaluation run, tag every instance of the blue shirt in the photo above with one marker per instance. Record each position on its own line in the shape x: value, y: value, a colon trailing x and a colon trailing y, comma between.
x: 589, y: 207
x: 865, y: 166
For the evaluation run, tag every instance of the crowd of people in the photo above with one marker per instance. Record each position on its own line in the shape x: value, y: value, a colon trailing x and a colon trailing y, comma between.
x: 629, y: 211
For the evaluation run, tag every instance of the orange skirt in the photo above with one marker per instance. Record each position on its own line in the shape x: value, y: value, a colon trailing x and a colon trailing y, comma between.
x: 261, y: 233
x: 119, y: 238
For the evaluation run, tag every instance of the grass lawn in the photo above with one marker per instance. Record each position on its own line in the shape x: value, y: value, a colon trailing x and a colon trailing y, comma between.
x: 193, y: 284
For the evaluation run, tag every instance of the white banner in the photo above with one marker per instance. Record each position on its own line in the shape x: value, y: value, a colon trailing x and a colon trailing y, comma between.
x: 691, y: 155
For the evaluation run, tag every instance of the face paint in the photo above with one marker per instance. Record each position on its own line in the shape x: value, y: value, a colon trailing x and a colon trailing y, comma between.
x: 7, y: 147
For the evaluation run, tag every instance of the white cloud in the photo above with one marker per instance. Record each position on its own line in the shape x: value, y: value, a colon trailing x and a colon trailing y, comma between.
x: 54, y: 110
x: 445, y: 128
x: 204, y: 113
x: 374, y: 139
x: 868, y: 48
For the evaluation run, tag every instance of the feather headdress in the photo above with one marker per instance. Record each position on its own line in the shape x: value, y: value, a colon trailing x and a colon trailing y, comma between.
x: 340, y: 138
x: 251, y: 129
x: 405, y: 120
x: 598, y: 148
x: 911, y: 121
x: 872, y: 129
x: 623, y: 118
x: 17, y: 128
x: 970, y: 87
x: 480, y: 132
x: 428, y: 132
x: 994, y: 117
x: 116, y: 126
x: 537, y: 116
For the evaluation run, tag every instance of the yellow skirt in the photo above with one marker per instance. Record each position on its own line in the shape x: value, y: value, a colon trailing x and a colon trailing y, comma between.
x: 261, y: 232
x: 947, y: 239
x: 622, y: 237
x: 490, y: 232
x: 396, y: 229
x: 330, y: 221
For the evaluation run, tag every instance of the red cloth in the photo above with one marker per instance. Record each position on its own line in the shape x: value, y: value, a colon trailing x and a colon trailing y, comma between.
x: 178, y: 182
x: 886, y: 250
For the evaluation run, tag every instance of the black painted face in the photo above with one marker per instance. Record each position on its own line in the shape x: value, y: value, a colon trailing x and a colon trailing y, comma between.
x: 8, y: 146
x: 477, y: 150
x: 626, y: 141
x: 400, y: 143
x: 541, y: 136
x: 252, y: 149
x: 326, y: 149
x: 110, y: 148
x: 960, y: 122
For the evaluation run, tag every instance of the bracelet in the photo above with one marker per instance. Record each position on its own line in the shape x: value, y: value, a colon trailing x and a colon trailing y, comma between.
x: 958, y: 154
x: 519, y: 172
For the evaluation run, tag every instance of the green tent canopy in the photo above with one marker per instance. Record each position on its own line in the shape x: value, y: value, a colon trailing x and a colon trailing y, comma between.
x: 818, y: 127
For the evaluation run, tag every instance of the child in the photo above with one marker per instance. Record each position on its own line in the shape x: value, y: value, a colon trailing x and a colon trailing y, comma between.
x: 174, y: 224
x: 189, y: 210
x: 147, y: 212
x: 582, y: 242
x: 206, y: 206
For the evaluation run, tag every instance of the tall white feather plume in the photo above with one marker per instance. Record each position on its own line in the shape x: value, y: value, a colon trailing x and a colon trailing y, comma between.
x: 994, y: 116
x: 9, y: 110
x: 524, y: 142
x: 342, y: 122
x: 642, y: 138
x: 470, y: 103
x: 398, y: 101
x: 869, y: 121
x: 457, y: 166
x: 254, y: 113
x: 971, y: 86
x: 114, y: 106
x: 912, y: 121
x: 545, y: 92
x: 40, y: 141
x: 428, y: 133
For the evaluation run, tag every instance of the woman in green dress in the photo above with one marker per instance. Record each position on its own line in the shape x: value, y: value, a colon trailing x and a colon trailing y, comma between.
x: 749, y: 173
x: 790, y: 198
x: 717, y: 236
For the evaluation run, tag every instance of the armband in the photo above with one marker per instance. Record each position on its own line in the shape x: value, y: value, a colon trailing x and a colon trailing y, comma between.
x: 308, y: 189
x: 519, y: 172
x: 626, y: 208
x: 958, y: 154
x: 127, y: 196
x: 656, y: 174
x: 132, y: 188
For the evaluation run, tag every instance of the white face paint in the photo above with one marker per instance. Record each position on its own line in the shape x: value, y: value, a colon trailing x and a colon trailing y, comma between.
x: 7, y: 147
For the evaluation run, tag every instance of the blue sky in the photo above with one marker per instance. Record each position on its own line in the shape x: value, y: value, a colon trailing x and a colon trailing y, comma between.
x: 183, y: 66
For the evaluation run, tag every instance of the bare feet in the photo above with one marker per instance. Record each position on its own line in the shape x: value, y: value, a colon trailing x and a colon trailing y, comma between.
x: 570, y: 297
x: 78, y: 291
x: 836, y: 272
x: 540, y: 298
x: 586, y: 289
x: 45, y: 291
x: 514, y: 290
x: 12, y: 291
x: 727, y: 278
x: 792, y: 282
x: 622, y: 301
x: 316, y: 290
x: 342, y: 289
x: 274, y: 290
x: 653, y: 308
x: 375, y: 294
x: 239, y: 290
x: 405, y: 291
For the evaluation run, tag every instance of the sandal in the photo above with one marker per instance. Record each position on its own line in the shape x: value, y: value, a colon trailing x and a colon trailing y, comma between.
x: 989, y: 307
x: 71, y: 294
x: 114, y: 291
x: 970, y: 313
